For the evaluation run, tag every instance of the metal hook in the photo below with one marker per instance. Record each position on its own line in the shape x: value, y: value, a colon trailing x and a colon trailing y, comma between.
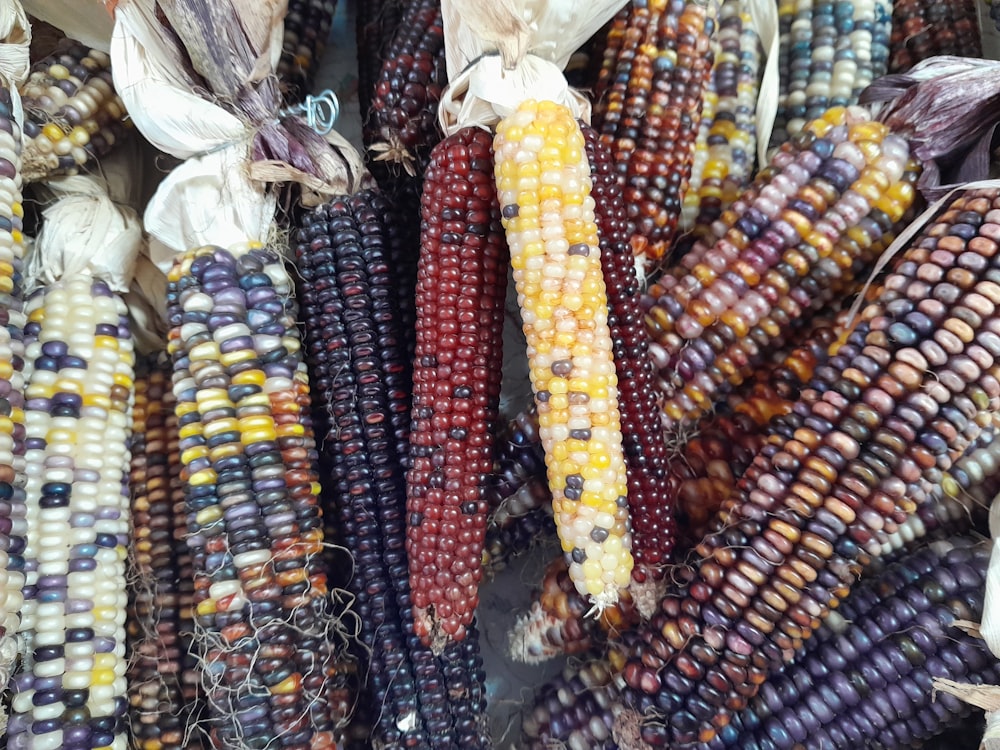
x: 321, y: 111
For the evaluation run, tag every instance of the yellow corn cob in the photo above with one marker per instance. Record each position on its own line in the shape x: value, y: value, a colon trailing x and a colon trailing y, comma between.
x: 543, y: 182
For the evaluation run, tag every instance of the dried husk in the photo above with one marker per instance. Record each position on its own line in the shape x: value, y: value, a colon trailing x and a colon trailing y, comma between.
x: 87, y: 21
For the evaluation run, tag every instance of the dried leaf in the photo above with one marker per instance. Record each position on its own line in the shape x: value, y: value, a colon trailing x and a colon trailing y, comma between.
x: 986, y: 697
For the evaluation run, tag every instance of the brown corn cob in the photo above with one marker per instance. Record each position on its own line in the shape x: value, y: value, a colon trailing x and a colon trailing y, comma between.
x: 307, y: 26
x: 790, y: 547
x: 73, y: 116
x: 652, y: 513
x: 462, y: 282
x: 648, y: 110
x: 921, y: 30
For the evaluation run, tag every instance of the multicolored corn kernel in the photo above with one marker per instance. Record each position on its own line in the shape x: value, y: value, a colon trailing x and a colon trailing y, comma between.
x: 71, y: 690
x: 921, y: 30
x: 829, y: 53
x: 263, y: 620
x: 462, y: 282
x: 356, y: 355
x: 811, y: 505
x: 163, y: 713
x: 805, y: 225
x: 652, y: 513
x: 402, y: 126
x: 726, y: 147
x: 307, y: 27
x: 648, y: 108
x: 12, y: 465
x: 543, y: 182
x: 73, y: 116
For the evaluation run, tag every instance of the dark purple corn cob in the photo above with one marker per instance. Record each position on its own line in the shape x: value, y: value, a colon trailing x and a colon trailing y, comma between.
x: 377, y: 22
x: 307, y: 26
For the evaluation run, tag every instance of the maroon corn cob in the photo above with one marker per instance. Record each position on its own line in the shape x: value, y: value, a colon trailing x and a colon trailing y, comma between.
x: 377, y: 22
x: 456, y: 382
x: 925, y: 29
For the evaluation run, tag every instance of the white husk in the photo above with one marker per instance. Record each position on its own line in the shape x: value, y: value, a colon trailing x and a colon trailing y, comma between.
x: 87, y: 21
x: 210, y: 198
x: 765, y: 18
x: 15, y: 33
x: 146, y: 295
x: 501, y: 53
x: 989, y: 628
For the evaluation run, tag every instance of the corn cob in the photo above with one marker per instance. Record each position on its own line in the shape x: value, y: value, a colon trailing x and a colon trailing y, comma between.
x: 920, y: 31
x: 727, y: 138
x: 262, y: 614
x: 402, y: 125
x: 648, y: 109
x: 543, y: 181
x: 517, y: 494
x: 809, y: 506
x: 462, y: 282
x: 73, y: 116
x: 584, y: 67
x: 80, y: 372
x: 829, y: 53
x: 376, y: 25
x: 796, y: 233
x: 12, y: 477
x: 163, y: 715
x: 307, y: 26
x: 864, y: 680
x: 355, y: 353
x: 651, y: 512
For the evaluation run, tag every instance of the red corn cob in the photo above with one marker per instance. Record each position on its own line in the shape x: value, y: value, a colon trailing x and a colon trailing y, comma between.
x: 456, y: 382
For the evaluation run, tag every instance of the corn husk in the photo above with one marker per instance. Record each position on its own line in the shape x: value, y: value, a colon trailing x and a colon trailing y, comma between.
x: 87, y: 21
x: 198, y: 79
x: 502, y: 53
x: 764, y: 15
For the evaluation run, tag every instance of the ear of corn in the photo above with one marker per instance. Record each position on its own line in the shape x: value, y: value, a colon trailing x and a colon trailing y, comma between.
x: 543, y: 181
x: 648, y: 109
x: 78, y: 400
x: 922, y: 30
x: 810, y: 505
x: 307, y: 26
x: 803, y: 230
x: 165, y: 705
x: 376, y: 25
x: 73, y: 114
x: 829, y: 53
x: 262, y: 616
x: 356, y: 355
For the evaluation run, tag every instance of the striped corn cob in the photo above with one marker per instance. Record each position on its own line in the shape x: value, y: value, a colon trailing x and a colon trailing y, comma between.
x: 727, y: 138
x: 262, y: 613
x: 164, y: 712
x: 402, y: 125
x: 518, y: 493
x: 462, y: 282
x: 12, y: 473
x: 805, y: 227
x: 864, y: 680
x: 376, y: 25
x: 651, y: 512
x: 307, y: 26
x: 648, y: 109
x: 356, y: 356
x: 73, y: 116
x: 923, y: 30
x: 828, y: 54
x: 543, y: 181
x: 810, y: 506
x: 71, y: 690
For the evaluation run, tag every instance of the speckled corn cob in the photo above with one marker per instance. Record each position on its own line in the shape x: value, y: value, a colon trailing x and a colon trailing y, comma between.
x: 307, y: 26
x: 73, y: 116
x: 922, y: 30
x: 648, y: 108
x: 462, y: 282
x: 799, y: 233
x: 71, y: 690
x: 726, y: 147
x: 12, y: 477
x: 357, y: 360
x: 652, y: 514
x: 262, y: 616
x: 829, y: 53
x: 809, y: 506
x: 159, y: 628
x: 543, y: 181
